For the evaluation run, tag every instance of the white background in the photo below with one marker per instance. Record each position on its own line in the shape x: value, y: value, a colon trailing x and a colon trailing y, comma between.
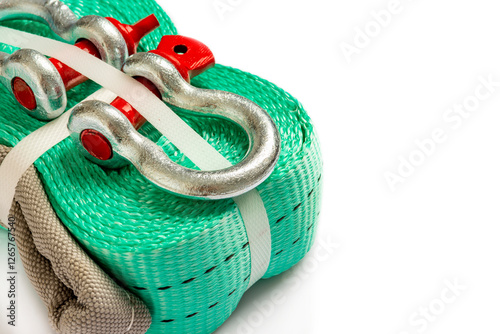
x: 384, y: 258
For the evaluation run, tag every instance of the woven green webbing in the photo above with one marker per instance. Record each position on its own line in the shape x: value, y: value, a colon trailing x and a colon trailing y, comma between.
x: 188, y: 260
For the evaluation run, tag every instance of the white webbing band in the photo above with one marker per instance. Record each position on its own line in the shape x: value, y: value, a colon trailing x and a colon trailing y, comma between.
x: 32, y: 147
x: 199, y: 151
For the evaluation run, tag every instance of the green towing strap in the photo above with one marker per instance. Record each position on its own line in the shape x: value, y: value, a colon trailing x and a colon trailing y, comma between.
x: 187, y: 260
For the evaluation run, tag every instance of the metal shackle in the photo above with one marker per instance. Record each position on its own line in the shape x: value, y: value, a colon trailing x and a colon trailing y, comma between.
x: 105, y: 38
x: 119, y: 143
x: 29, y: 74
x: 101, y: 32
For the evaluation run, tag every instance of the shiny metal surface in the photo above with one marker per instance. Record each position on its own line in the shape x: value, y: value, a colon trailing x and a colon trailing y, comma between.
x: 154, y: 164
x: 39, y: 73
x: 101, y: 32
x: 36, y: 70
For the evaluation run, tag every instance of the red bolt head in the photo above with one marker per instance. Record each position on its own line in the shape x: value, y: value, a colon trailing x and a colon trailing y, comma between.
x: 96, y: 144
x: 134, y: 33
x: 23, y: 93
x: 190, y: 57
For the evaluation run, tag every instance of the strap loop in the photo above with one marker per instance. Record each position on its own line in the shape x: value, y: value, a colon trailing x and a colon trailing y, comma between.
x: 159, y: 115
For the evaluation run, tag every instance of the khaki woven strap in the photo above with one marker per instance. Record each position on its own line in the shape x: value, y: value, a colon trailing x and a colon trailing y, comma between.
x: 80, y: 296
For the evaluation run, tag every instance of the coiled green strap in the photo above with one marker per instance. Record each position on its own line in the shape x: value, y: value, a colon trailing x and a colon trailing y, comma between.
x: 187, y: 260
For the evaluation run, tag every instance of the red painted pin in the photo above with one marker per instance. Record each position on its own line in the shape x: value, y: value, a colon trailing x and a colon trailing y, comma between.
x: 132, y: 34
x: 189, y: 56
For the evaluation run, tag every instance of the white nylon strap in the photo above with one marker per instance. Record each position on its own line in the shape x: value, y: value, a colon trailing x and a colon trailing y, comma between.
x: 161, y: 117
x: 32, y: 147
x: 254, y: 216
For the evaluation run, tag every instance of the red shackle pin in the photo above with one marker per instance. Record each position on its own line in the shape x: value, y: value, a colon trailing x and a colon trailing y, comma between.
x: 107, y: 133
x: 132, y: 35
x: 40, y: 84
x: 189, y: 56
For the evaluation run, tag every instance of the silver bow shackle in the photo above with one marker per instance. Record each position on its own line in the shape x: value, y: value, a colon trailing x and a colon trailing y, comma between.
x: 129, y: 146
x: 36, y: 81
x: 98, y: 30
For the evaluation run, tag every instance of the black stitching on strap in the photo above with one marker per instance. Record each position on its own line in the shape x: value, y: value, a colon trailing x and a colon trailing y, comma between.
x: 189, y: 280
x: 192, y: 279
x: 138, y: 288
x: 210, y: 270
x: 229, y: 258
x: 213, y: 268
